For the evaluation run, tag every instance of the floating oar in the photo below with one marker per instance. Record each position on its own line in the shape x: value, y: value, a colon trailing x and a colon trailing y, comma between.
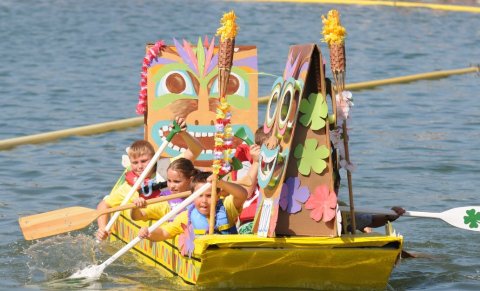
x: 176, y: 129
x: 94, y: 272
x: 467, y: 217
x: 73, y: 218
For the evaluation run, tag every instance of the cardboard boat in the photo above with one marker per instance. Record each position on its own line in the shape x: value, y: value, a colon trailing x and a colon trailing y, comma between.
x: 296, y: 244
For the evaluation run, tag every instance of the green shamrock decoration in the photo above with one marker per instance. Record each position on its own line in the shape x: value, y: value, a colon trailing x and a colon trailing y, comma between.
x: 472, y: 218
x: 310, y: 156
x: 314, y: 110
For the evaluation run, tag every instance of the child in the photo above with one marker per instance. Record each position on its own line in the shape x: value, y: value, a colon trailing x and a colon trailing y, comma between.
x: 249, y: 158
x: 180, y: 174
x: 198, y: 214
x: 140, y: 153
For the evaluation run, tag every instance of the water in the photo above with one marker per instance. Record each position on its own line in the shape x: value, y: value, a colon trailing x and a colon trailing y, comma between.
x: 72, y: 63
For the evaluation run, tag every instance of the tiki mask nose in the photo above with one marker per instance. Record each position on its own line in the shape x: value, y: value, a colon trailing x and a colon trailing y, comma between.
x: 203, y: 115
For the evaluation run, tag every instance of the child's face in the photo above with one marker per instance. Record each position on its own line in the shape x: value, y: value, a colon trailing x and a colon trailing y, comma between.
x: 202, y: 202
x: 139, y: 163
x: 177, y: 182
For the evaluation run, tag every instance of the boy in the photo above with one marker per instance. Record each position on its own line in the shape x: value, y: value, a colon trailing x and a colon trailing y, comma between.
x: 198, y: 214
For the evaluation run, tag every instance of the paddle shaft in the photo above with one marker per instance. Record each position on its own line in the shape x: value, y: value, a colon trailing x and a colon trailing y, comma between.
x: 391, y: 212
x: 149, y: 201
x: 154, y: 226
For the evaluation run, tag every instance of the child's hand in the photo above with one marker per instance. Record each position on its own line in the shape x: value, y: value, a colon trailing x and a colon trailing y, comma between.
x: 255, y: 152
x: 399, y: 210
x: 140, y: 202
x: 143, y: 232
x: 102, y: 234
x: 181, y: 121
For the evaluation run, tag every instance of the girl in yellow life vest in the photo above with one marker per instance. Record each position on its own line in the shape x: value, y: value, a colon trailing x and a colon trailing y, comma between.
x: 180, y: 174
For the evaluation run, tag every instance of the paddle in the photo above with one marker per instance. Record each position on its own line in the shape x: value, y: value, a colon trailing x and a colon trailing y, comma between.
x: 95, y: 271
x: 176, y: 129
x: 73, y: 218
x: 467, y: 217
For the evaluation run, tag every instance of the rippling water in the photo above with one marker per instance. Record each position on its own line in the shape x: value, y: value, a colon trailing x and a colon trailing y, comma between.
x: 72, y: 63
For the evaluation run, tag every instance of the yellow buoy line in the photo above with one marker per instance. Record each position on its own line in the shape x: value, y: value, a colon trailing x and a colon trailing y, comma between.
x: 138, y: 121
x: 445, y: 7
x: 82, y: 130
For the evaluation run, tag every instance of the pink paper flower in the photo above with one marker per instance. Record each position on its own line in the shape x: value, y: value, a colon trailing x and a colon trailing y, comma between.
x: 323, y: 203
x: 185, y: 240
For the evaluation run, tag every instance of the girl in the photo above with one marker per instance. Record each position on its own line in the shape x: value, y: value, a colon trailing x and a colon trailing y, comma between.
x: 179, y: 176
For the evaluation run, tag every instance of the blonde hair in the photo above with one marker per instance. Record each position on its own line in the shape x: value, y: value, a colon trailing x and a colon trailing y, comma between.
x: 139, y: 148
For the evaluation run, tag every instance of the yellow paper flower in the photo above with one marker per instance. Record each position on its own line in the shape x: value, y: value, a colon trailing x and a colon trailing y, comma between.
x: 229, y: 27
x: 333, y: 32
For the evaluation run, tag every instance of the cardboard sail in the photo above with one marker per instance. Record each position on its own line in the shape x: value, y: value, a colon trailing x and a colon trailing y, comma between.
x: 296, y: 170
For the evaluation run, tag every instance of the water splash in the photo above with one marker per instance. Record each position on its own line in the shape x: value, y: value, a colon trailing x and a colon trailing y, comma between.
x: 90, y: 273
x: 57, y: 257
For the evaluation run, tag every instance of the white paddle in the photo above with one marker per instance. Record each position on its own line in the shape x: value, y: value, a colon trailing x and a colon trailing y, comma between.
x: 94, y: 272
x: 176, y: 128
x: 467, y: 217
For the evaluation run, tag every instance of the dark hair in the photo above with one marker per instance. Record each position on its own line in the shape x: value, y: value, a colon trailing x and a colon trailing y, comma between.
x: 260, y: 136
x: 184, y: 166
x: 200, y: 177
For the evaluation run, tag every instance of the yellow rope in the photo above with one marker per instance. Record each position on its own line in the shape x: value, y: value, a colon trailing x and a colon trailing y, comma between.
x: 457, y: 8
x: 83, y: 130
x: 400, y: 80
x: 138, y: 121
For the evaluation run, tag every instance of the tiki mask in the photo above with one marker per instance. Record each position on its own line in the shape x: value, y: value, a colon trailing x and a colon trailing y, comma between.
x: 294, y: 160
x: 183, y: 82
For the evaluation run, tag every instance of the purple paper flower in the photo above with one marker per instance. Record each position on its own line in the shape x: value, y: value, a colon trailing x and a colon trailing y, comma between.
x: 185, y: 240
x: 293, y: 195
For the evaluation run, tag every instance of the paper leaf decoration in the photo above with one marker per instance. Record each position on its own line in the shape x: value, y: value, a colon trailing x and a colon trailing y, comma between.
x: 185, y: 240
x: 323, y: 203
x: 472, y: 219
x: 293, y: 195
x: 314, y: 110
x: 310, y: 157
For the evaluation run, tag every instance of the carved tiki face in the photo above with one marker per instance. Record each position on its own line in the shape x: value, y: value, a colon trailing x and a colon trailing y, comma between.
x: 280, y: 119
x: 183, y: 82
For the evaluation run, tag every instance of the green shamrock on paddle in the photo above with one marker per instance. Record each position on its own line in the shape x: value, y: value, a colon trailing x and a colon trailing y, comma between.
x: 314, y: 110
x: 472, y: 218
x: 310, y: 156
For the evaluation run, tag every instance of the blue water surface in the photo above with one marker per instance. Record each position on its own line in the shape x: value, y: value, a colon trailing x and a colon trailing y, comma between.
x: 71, y: 63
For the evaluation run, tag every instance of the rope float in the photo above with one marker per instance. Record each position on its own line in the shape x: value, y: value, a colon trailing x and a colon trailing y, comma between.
x: 138, y: 121
x: 433, y: 6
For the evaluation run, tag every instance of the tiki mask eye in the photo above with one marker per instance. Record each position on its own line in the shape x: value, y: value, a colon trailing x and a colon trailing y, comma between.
x: 176, y: 82
x: 286, y: 102
x: 236, y: 86
x: 272, y: 105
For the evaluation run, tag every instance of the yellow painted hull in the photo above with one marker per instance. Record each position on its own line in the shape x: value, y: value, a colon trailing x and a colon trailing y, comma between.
x: 242, y: 261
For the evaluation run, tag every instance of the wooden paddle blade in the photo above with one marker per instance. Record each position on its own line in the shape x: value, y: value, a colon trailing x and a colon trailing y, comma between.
x: 56, y: 222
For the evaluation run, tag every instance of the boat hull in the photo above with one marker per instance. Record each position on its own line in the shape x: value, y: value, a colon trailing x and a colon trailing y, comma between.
x: 246, y: 261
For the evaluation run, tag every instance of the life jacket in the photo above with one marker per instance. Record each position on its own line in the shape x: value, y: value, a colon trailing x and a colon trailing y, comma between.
x: 131, y: 178
x: 200, y: 221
